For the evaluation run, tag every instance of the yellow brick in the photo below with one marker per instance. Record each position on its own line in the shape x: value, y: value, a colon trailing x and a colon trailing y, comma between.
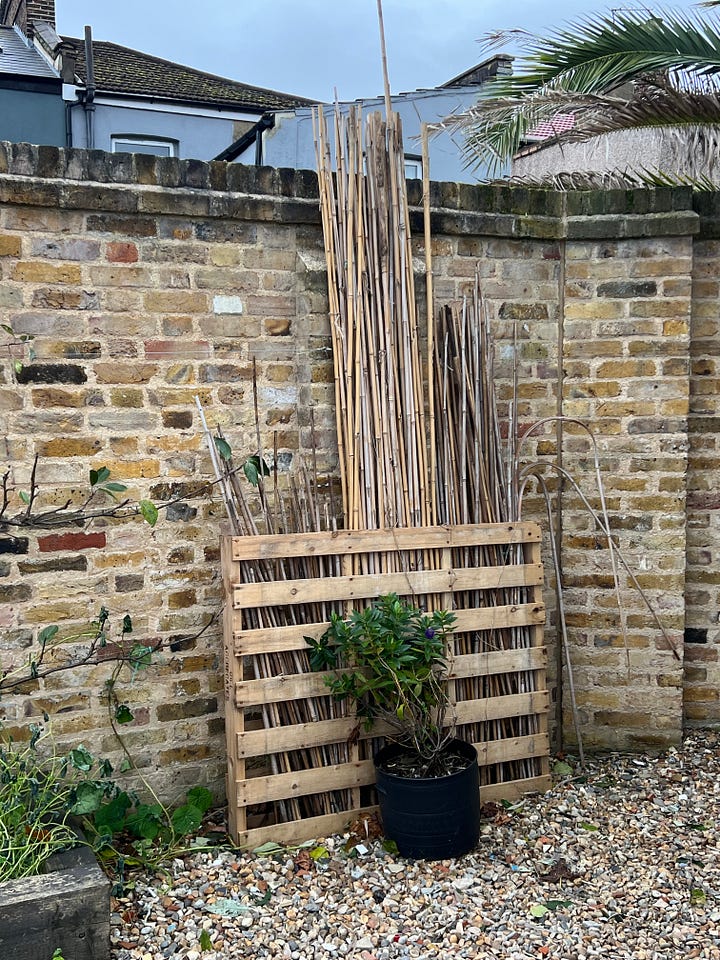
x: 104, y: 561
x: 675, y: 328
x: 35, y: 272
x: 10, y: 246
x: 172, y: 301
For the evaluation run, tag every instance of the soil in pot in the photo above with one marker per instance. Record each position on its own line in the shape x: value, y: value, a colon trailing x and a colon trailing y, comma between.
x: 430, y: 818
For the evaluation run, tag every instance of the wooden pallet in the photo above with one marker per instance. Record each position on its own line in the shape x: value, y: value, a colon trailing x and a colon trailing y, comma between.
x: 490, y: 575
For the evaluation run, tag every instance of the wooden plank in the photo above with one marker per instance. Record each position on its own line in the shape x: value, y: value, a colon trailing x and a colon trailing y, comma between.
x: 498, y: 708
x: 514, y: 748
x: 532, y: 552
x: 232, y: 675
x: 496, y: 662
x: 341, y: 542
x: 416, y: 582
x: 514, y: 789
x: 340, y: 776
x: 282, y: 639
x: 260, y: 743
x: 298, y: 686
x: 299, y: 831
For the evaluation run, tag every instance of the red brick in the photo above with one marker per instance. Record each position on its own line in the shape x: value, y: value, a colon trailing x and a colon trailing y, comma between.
x: 122, y: 253
x: 71, y: 541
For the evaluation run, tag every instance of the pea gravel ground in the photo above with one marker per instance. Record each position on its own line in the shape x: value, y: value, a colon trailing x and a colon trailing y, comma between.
x: 620, y: 863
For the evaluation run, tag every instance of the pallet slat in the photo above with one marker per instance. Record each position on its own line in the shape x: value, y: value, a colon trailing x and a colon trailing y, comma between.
x: 285, y: 639
x: 340, y: 542
x: 280, y: 786
x: 412, y: 582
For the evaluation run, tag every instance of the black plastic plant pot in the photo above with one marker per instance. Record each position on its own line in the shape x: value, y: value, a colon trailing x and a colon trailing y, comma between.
x: 436, y: 818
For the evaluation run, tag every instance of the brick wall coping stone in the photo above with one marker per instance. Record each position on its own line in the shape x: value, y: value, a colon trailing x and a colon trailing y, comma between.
x: 96, y: 180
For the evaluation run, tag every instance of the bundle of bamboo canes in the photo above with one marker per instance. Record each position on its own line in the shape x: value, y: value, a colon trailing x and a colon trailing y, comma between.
x: 379, y: 382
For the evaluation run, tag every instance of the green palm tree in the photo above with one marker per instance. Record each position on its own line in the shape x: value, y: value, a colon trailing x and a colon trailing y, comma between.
x: 620, y: 71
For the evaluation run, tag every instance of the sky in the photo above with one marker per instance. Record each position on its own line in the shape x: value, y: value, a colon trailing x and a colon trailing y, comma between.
x: 313, y: 48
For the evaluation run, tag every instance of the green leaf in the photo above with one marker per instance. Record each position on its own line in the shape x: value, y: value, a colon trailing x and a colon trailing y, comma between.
x: 114, y: 487
x: 127, y: 626
x: 254, y: 468
x: 81, y: 758
x: 125, y: 765
x: 7, y: 329
x: 223, y: 448
x: 319, y: 853
x: 201, y: 798
x: 140, y: 657
x: 205, y: 941
x: 99, y: 476
x: 557, y: 904
x: 186, y: 819
x: 148, y: 511
x: 265, y: 898
x: 47, y: 634
x: 110, y: 818
x: 268, y: 848
x: 88, y: 797
x: 389, y: 846
x: 58, y: 954
x: 698, y: 896
x: 18, y: 367
x: 123, y: 714
x: 25, y: 497
x: 538, y: 910
x: 562, y: 769
x: 589, y: 826
x: 146, y: 822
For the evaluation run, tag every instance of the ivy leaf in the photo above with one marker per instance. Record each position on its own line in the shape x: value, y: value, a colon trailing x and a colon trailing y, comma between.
x: 538, y: 910
x: 148, y: 511
x: 562, y: 769
x: 319, y: 853
x: 123, y: 714
x: 205, y: 941
x: 25, y: 497
x: 127, y: 626
x: 114, y: 487
x: 125, y: 765
x: 223, y: 448
x: 17, y: 364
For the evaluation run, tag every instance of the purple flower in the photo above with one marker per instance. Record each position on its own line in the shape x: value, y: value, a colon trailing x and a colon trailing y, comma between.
x: 429, y: 633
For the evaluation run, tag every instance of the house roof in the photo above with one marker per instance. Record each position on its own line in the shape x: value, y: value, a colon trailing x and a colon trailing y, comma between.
x: 19, y: 58
x: 129, y: 72
x: 546, y: 129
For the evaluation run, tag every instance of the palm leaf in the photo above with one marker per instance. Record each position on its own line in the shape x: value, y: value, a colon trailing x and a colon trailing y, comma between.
x: 584, y: 59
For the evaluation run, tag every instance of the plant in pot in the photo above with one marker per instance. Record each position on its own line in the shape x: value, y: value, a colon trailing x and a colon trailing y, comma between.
x: 391, y: 662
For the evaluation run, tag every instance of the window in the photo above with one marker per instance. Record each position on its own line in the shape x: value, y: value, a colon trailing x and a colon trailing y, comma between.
x: 158, y: 148
x: 413, y: 167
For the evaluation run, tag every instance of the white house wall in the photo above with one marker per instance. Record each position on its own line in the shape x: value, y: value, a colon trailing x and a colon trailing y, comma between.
x: 201, y: 136
x: 290, y: 143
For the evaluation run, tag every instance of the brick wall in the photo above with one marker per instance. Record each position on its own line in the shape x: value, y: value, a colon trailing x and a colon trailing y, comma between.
x: 146, y: 281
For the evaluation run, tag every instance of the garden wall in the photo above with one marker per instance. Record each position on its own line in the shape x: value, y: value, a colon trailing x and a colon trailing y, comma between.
x: 146, y: 281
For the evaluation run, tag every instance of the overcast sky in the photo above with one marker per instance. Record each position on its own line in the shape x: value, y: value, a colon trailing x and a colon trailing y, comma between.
x: 311, y: 47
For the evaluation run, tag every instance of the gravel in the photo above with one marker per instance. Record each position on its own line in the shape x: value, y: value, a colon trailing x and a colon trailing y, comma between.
x: 621, y: 862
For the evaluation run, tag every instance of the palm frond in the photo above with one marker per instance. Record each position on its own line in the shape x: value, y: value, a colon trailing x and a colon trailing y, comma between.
x: 584, y: 59
x: 618, y: 179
